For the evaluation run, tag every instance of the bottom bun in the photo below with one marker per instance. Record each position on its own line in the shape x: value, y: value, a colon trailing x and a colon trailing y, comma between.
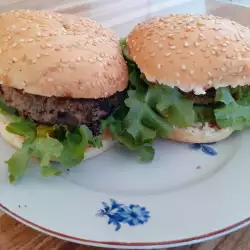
x: 17, y: 141
x: 200, y: 134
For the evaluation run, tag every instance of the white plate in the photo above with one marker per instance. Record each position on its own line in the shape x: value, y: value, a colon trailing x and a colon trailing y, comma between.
x: 184, y: 196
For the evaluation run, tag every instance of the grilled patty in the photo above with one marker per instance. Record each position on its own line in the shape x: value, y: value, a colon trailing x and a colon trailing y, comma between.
x: 59, y: 110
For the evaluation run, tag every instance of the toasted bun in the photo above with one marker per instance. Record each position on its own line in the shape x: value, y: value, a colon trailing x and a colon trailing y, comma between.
x: 192, y: 52
x: 16, y: 141
x: 54, y: 54
x: 200, y: 134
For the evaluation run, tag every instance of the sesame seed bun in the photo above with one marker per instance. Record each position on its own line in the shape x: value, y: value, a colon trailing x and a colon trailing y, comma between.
x: 192, y: 52
x: 199, y: 134
x: 54, y: 54
x: 16, y: 141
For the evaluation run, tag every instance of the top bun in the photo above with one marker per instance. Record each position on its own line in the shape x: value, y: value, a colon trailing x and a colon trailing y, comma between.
x: 192, y: 52
x: 52, y: 54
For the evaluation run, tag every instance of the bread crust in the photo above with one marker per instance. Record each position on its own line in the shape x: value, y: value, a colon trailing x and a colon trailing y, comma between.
x: 192, y: 52
x: 200, y: 134
x: 62, y: 55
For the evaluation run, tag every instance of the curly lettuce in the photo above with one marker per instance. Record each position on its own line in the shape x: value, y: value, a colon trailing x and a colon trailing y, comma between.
x: 48, y: 144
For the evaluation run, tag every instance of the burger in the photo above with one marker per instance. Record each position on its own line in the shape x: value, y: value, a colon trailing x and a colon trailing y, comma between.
x: 61, y: 77
x: 189, y: 79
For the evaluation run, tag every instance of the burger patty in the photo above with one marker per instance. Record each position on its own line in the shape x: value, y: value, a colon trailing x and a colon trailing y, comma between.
x: 59, y: 110
x: 208, y: 98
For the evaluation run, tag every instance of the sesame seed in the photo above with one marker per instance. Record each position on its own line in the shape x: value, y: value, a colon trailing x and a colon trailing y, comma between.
x: 178, y: 82
x: 241, y: 35
x: 241, y: 69
x: 220, y: 78
x: 223, y: 49
x: 1, y: 51
x: 171, y: 36
x: 78, y: 59
x: 14, y: 45
x: 160, y: 46
x: 223, y: 69
x: 34, y: 61
x: 63, y: 60
x: 49, y: 45
x: 159, y: 66
x: 177, y: 74
x: 244, y: 77
x: 50, y: 79
x: 156, y: 41
x: 38, y: 55
x: 191, y: 72
x: 173, y: 47
x: 23, y: 29
x: 183, y: 66
x: 21, y: 40
x: 209, y: 82
x: 72, y: 66
x: 178, y: 51
x: 38, y: 34
x: 191, y: 53
x: 210, y: 74
x: 196, y: 44
x: 213, y: 52
x: 14, y: 59
x: 218, y: 38
x: 30, y: 40
x: 167, y: 54
x: 224, y: 44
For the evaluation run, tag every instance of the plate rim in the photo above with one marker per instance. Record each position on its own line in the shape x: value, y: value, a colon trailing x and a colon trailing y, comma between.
x: 126, y: 245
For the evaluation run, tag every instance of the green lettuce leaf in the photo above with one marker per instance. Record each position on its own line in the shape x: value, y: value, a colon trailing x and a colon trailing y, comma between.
x: 47, y: 150
x: 74, y: 147
x: 18, y: 163
x: 147, y: 154
x: 232, y: 113
x: 4, y: 107
x: 96, y: 141
x: 176, y: 108
x: 22, y: 127
x: 204, y: 114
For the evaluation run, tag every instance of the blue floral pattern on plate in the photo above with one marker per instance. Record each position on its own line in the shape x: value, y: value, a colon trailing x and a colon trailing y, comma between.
x: 204, y: 147
x: 118, y: 213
